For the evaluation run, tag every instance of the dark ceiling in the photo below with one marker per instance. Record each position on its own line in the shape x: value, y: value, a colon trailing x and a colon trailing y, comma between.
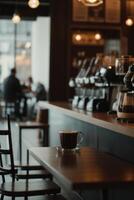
x: 7, y: 8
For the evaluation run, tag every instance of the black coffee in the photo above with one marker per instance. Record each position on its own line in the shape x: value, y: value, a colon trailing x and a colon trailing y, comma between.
x: 68, y: 140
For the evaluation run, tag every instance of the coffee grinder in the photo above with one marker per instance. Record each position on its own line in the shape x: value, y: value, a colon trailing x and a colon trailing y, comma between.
x: 125, y: 110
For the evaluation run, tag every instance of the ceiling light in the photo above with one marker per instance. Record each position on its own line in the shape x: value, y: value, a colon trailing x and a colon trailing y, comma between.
x: 129, y: 21
x: 16, y: 18
x: 33, y: 3
x: 91, y: 3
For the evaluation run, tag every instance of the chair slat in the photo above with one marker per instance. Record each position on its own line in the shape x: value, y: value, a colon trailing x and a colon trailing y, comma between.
x: 7, y: 170
x: 4, y: 173
x: 4, y: 132
x: 43, y: 174
x: 30, y: 167
x: 5, y: 151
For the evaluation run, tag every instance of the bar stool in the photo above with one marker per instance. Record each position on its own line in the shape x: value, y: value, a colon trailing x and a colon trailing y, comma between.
x: 40, y: 123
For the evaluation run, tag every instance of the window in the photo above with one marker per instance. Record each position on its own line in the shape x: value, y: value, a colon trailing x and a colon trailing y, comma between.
x: 15, y: 49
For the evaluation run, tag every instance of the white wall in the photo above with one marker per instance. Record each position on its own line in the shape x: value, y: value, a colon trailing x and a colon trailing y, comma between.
x: 41, y: 50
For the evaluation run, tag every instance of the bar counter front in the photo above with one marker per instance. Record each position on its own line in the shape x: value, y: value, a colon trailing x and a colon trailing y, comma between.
x: 101, y: 131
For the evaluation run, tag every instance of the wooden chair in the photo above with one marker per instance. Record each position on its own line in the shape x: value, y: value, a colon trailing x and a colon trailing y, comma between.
x: 38, y: 124
x: 25, y: 188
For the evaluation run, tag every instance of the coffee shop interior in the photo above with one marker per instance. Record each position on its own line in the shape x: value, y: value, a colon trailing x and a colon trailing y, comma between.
x: 67, y: 99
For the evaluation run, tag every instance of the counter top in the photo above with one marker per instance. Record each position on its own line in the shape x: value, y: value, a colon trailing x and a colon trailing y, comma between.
x: 103, y: 120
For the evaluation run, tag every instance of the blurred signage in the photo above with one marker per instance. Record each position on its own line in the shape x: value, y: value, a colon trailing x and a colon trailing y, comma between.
x: 108, y: 12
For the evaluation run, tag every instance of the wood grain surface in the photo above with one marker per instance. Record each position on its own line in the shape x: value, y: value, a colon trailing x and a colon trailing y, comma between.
x: 99, y: 119
x: 86, y: 168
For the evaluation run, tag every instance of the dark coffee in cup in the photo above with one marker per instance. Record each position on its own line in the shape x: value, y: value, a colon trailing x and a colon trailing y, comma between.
x: 68, y: 139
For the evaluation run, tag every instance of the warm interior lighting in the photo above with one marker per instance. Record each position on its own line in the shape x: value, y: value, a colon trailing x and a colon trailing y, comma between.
x: 16, y: 18
x: 78, y: 37
x: 91, y: 2
x: 109, y: 67
x: 33, y: 3
x: 129, y: 22
x: 98, y: 36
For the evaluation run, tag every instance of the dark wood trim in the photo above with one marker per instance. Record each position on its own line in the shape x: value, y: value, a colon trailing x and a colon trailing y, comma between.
x: 58, y: 46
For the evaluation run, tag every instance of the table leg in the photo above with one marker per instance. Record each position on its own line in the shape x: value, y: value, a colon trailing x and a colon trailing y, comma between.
x: 2, y: 197
x: 27, y: 161
x: 45, y: 136
x: 27, y: 172
x: 20, y: 144
x: 27, y: 156
x: 104, y: 194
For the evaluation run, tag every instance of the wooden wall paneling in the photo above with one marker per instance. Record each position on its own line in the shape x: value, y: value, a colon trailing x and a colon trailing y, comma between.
x: 58, y: 49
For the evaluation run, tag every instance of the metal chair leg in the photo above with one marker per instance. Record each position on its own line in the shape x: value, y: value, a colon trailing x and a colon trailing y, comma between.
x: 20, y: 145
x: 104, y: 194
x: 2, y: 197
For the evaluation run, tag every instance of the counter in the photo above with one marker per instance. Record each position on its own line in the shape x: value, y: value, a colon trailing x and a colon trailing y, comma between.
x: 103, y: 120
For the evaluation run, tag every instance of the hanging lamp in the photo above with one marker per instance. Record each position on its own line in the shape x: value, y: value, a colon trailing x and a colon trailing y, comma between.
x: 16, y: 18
x: 33, y: 3
x: 91, y: 3
x: 129, y: 20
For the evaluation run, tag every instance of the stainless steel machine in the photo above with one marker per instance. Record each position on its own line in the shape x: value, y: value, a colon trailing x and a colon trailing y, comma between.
x: 126, y: 97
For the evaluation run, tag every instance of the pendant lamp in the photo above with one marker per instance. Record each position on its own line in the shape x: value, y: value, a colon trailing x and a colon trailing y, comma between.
x: 91, y: 3
x: 33, y: 3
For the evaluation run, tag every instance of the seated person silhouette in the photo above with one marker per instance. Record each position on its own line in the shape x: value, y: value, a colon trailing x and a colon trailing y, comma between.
x: 39, y: 93
x: 13, y: 92
x: 27, y: 86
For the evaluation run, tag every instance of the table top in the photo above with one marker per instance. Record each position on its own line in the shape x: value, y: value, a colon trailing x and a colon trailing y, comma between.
x: 86, y: 168
x: 100, y: 119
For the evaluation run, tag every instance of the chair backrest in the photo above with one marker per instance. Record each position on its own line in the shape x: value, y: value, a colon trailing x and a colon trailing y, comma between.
x: 7, y: 152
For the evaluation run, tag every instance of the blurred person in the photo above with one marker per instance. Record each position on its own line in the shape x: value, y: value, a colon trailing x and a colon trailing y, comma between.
x: 12, y: 87
x: 30, y: 83
x: 39, y: 93
x: 12, y: 91
x: 27, y: 86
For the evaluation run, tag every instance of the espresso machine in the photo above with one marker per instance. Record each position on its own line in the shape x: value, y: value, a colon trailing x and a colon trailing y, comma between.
x: 92, y: 85
x: 101, y: 98
x: 125, y: 110
x: 97, y: 84
x: 81, y: 98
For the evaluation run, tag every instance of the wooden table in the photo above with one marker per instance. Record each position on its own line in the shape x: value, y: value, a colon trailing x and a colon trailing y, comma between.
x: 31, y: 125
x: 85, y: 169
